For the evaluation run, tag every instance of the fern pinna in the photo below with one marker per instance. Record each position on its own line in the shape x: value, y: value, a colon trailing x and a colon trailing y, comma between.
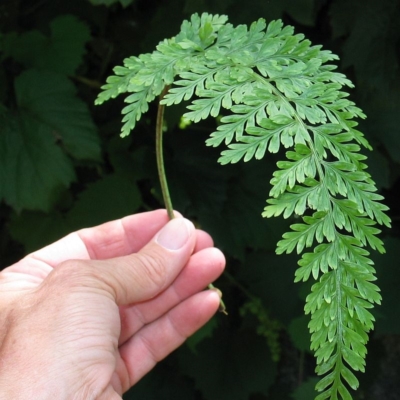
x: 283, y: 92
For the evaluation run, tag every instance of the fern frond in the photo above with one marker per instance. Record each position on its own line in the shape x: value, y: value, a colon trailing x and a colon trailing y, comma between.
x: 233, y: 126
x: 147, y: 75
x: 256, y: 144
x: 282, y: 92
x: 118, y: 83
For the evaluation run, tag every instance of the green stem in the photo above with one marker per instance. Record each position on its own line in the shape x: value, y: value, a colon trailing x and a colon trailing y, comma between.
x: 239, y: 286
x: 161, y: 172
x: 222, y: 307
x: 160, y: 158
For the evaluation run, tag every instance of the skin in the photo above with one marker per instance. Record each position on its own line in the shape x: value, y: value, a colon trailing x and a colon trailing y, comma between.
x: 88, y: 316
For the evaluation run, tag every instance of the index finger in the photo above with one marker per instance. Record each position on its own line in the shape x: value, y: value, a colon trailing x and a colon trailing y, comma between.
x: 111, y: 239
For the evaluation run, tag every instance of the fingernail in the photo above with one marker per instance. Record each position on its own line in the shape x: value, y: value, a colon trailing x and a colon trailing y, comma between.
x: 175, y: 234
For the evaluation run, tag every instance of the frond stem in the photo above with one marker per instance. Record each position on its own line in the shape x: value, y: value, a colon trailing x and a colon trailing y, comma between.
x: 162, y: 175
x: 160, y: 157
x: 233, y: 280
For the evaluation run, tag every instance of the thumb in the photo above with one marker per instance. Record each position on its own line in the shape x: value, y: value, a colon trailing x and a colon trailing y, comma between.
x: 143, y: 275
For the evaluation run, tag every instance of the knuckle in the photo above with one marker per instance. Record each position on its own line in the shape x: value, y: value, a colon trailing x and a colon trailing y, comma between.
x: 71, y: 273
x: 152, y: 270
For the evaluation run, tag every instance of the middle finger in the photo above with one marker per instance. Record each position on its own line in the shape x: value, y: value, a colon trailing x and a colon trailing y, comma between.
x: 202, y: 268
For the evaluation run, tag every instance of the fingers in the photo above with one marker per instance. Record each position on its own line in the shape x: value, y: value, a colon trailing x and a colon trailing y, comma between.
x: 112, y: 239
x: 203, y: 241
x: 109, y: 394
x: 202, y: 268
x: 128, y: 235
x: 122, y: 237
x: 156, y: 340
x: 140, y: 276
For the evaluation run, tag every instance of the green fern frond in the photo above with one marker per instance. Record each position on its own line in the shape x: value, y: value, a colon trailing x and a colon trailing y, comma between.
x: 280, y: 91
x: 118, y: 83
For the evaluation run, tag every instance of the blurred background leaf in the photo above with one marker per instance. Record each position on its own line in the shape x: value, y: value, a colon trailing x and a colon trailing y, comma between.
x: 62, y: 51
x: 124, y: 3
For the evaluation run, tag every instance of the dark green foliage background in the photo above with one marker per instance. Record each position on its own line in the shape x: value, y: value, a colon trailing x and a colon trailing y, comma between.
x: 63, y: 167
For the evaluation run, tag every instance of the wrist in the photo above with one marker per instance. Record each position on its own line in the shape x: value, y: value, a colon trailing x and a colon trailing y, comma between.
x: 18, y: 380
x: 24, y: 372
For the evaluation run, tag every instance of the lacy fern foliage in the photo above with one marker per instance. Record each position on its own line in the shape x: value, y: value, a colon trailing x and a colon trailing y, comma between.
x: 282, y: 92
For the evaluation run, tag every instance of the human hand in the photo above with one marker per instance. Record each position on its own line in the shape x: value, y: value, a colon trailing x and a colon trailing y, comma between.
x: 89, y: 315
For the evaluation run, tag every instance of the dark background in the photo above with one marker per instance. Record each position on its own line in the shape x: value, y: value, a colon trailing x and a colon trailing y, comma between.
x: 63, y: 167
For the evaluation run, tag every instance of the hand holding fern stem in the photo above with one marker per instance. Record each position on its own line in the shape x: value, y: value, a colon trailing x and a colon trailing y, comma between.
x: 120, y: 297
x: 162, y: 175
